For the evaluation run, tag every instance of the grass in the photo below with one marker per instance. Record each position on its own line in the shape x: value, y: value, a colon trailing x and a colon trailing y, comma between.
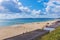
x: 54, y: 35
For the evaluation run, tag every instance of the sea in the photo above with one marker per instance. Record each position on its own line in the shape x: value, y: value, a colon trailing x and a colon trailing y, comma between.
x: 9, y: 22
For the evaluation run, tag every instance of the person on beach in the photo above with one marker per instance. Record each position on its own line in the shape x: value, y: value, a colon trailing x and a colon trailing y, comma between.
x: 47, y: 25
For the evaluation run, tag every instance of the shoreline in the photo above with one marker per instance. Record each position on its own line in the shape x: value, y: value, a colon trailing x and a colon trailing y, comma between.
x: 26, y: 23
x: 50, y: 22
x: 6, y: 32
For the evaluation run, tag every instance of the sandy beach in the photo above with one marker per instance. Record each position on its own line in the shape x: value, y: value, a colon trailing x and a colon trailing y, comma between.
x: 6, y: 32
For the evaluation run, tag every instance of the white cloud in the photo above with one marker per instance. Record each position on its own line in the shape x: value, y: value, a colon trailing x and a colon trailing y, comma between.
x: 49, y: 16
x: 6, y: 16
x: 23, y: 8
x: 10, y: 16
x: 1, y: 8
x: 52, y: 8
x: 1, y: 1
x: 20, y: 4
x: 33, y: 13
x: 27, y: 9
x: 13, y: 16
x: 38, y: 1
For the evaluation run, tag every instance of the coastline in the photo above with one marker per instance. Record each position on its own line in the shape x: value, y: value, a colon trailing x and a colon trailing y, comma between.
x: 6, y: 32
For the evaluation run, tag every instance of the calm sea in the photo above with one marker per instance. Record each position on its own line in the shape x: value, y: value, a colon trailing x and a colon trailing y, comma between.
x: 8, y: 22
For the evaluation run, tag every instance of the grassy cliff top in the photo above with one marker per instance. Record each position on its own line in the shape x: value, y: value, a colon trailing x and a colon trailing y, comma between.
x: 54, y: 35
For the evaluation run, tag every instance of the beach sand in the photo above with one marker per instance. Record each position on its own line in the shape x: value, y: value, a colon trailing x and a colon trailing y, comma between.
x: 6, y: 32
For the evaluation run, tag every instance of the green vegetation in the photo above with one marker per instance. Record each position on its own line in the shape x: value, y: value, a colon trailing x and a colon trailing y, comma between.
x: 54, y: 35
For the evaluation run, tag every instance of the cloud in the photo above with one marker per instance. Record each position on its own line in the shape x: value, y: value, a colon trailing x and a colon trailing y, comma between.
x: 35, y: 12
x: 51, y: 4
x: 11, y: 6
x: 14, y: 9
x: 49, y: 16
x: 24, y: 9
x: 53, y: 8
x: 10, y: 16
x: 39, y: 1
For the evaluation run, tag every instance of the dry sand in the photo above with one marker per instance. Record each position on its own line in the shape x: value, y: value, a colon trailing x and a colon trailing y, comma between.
x: 6, y: 32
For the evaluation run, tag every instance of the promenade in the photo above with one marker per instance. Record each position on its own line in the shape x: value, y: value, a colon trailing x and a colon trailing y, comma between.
x: 28, y: 36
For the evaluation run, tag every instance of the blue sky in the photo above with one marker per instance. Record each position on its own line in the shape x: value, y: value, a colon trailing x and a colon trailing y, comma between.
x: 10, y: 9
x: 34, y: 3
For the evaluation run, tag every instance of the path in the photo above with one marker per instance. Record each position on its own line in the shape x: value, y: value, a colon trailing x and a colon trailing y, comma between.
x: 29, y: 35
